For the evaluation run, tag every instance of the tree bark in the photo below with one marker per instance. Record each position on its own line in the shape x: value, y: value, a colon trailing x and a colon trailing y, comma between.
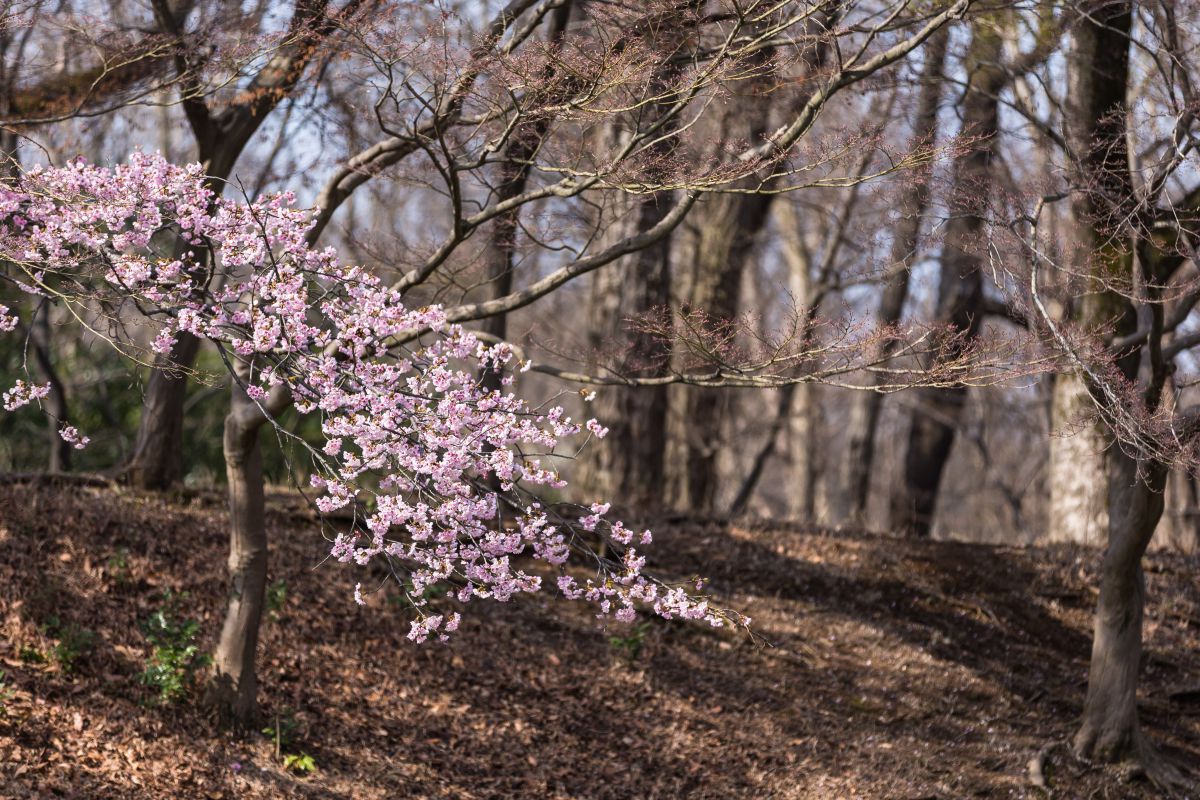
x: 937, y: 411
x: 232, y: 690
x: 156, y: 461
x: 1079, y: 497
x: 859, y: 463
x: 628, y: 464
x: 1109, y: 730
x: 514, y: 176
x: 726, y: 228
x: 1098, y: 76
x: 1102, y: 202
x: 59, y: 450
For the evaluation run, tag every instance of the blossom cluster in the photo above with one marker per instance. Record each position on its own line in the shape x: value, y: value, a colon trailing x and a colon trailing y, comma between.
x: 444, y: 470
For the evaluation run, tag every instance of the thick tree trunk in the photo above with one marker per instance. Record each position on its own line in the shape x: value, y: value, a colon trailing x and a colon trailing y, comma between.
x: 1078, y: 492
x: 232, y: 690
x: 1098, y: 74
x: 1109, y: 730
x: 865, y: 407
x: 628, y: 464
x: 156, y: 461
x: 726, y: 228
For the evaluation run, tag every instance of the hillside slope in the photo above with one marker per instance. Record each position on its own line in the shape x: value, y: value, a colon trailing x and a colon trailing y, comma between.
x: 894, y: 669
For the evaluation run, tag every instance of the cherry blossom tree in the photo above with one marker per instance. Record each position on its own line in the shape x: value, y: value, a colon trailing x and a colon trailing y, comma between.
x: 439, y: 468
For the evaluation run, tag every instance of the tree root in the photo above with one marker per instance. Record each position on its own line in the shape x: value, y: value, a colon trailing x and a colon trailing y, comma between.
x: 1149, y: 764
x: 1143, y: 762
x: 1140, y: 761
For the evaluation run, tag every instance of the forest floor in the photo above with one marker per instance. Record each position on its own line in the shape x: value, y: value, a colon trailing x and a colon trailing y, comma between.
x: 894, y: 669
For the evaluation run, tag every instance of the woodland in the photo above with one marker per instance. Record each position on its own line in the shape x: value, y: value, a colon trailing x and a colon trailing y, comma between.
x: 599, y: 398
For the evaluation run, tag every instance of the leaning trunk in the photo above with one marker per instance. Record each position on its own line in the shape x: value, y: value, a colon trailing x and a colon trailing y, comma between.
x: 1109, y: 731
x: 232, y: 690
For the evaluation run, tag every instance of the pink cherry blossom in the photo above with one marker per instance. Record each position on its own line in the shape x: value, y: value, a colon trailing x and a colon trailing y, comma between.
x: 413, y: 441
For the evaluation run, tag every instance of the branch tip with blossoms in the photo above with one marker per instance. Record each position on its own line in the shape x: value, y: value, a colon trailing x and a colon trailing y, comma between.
x: 410, y: 432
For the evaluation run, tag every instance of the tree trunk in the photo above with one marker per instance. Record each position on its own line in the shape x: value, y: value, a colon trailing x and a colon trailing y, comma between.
x: 233, y: 686
x: 936, y: 412
x: 156, y: 461
x: 628, y: 464
x: 930, y: 440
x: 157, y: 458
x: 865, y: 407
x: 726, y: 228
x: 1079, y: 495
x: 514, y: 176
x: 1098, y: 74
x: 59, y: 450
x: 1109, y: 731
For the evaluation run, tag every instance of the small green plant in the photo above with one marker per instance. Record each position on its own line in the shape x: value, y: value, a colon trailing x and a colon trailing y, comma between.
x: 117, y: 565
x: 74, y: 643
x: 176, y: 658
x: 283, y: 733
x: 31, y: 655
x: 276, y: 598
x: 300, y: 762
x: 631, y: 645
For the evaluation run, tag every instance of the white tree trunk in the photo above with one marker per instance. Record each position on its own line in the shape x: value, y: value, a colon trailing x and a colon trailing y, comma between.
x: 1078, y: 471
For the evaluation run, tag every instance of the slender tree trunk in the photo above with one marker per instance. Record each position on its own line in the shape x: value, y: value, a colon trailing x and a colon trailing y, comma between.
x: 232, y: 690
x: 514, y: 176
x: 859, y: 463
x: 804, y: 429
x: 937, y: 412
x: 783, y: 414
x: 1109, y: 730
x: 58, y: 458
x: 59, y: 450
x: 930, y: 440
